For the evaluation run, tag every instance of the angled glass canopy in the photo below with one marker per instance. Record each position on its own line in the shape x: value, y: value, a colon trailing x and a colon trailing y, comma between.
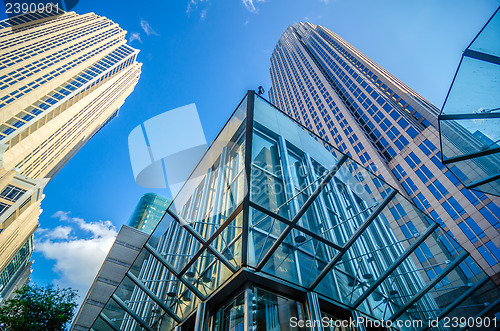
x: 470, y: 120
x: 270, y: 198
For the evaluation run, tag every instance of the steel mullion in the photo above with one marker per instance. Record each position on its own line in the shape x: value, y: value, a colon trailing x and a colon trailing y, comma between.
x: 460, y: 299
x: 353, y: 239
x: 302, y: 211
x: 206, y: 244
x: 471, y: 155
x: 167, y: 265
x: 247, y: 161
x: 396, y: 264
x: 150, y: 294
x: 131, y: 313
x: 108, y: 321
x: 483, y: 181
x: 429, y: 286
x: 482, y: 56
x: 298, y: 227
x: 473, y: 116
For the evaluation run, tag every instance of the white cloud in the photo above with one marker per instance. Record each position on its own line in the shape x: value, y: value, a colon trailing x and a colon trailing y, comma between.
x: 147, y: 28
x: 135, y: 36
x: 60, y: 232
x: 193, y: 6
x: 77, y: 260
x: 250, y: 5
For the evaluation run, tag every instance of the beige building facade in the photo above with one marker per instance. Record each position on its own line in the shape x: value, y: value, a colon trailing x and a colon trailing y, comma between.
x: 62, y: 78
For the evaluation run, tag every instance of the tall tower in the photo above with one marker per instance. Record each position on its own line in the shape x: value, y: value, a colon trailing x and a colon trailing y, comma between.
x: 148, y: 212
x: 349, y: 100
x: 63, y: 77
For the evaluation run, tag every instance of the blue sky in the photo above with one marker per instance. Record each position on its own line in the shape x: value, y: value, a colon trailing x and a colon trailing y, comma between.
x: 209, y: 52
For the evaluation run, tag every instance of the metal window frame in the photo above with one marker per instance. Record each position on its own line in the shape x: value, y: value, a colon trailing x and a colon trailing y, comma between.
x: 301, y: 212
x: 108, y: 321
x: 153, y: 297
x: 429, y: 286
x: 129, y: 311
x: 381, y: 206
x: 396, y: 264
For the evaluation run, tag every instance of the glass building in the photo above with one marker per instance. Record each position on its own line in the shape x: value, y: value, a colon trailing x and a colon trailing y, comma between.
x: 63, y: 77
x: 276, y: 227
x: 148, y: 212
x: 346, y: 98
x: 469, y: 120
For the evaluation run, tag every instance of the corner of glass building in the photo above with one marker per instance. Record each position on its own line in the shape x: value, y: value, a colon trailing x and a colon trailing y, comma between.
x: 275, y: 226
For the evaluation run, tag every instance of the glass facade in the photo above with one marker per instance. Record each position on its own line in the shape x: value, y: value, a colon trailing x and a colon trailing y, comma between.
x: 470, y: 117
x: 148, y: 212
x: 276, y: 226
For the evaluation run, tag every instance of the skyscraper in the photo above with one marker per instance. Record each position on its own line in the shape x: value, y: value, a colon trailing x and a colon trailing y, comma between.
x: 148, y: 212
x: 333, y: 89
x: 62, y: 78
x: 274, y: 227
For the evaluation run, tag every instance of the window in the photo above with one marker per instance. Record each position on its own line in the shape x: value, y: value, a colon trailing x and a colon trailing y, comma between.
x: 493, y: 249
x: 487, y: 256
x: 12, y: 193
x: 423, y: 200
x: 449, y: 210
x: 469, y: 196
x: 412, y: 132
x: 489, y: 216
x: 424, y: 149
x: 465, y: 229
x: 436, y: 218
x: 456, y: 205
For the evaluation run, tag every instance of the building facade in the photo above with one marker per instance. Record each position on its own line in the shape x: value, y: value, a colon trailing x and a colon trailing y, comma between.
x: 349, y: 100
x: 148, y: 212
x: 276, y: 227
x: 63, y: 76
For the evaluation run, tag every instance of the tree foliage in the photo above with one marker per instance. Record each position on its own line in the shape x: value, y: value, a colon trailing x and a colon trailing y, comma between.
x: 38, y: 309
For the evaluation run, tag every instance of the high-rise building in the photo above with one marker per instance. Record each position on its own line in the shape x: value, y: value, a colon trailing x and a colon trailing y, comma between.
x: 352, y: 102
x: 63, y: 76
x: 276, y: 229
x: 148, y: 212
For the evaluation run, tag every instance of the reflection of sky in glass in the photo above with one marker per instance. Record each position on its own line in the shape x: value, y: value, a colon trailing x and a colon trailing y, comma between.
x: 488, y: 41
x: 476, y: 89
x: 470, y: 144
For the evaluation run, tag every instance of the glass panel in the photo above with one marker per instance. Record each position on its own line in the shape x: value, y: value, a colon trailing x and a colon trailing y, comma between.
x: 216, y: 186
x: 138, y: 302
x: 174, y: 242
x: 100, y: 325
x: 230, y: 317
x: 207, y: 273
x: 119, y: 317
x: 274, y: 312
x: 488, y: 41
x: 228, y: 242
